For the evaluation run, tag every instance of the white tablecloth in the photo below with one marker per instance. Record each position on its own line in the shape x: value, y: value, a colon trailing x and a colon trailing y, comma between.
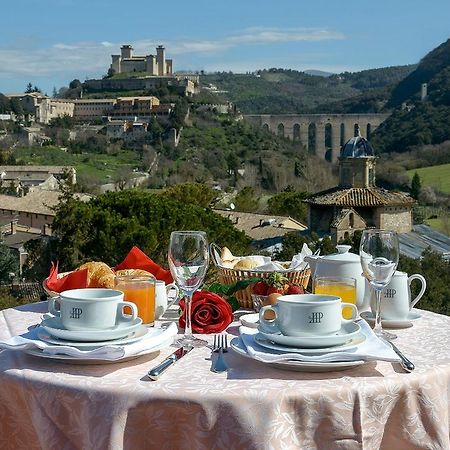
x: 52, y: 405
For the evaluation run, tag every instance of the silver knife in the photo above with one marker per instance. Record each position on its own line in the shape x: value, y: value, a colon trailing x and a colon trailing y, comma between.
x: 406, y: 364
x: 158, y: 370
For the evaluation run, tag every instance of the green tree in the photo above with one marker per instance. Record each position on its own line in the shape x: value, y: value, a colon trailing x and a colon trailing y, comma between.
x: 246, y: 200
x: 9, y: 263
x: 289, y: 204
x: 416, y: 186
x: 195, y: 193
x: 108, y: 226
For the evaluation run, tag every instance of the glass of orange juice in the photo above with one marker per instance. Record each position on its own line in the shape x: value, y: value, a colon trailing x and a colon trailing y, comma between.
x: 341, y: 287
x: 140, y: 291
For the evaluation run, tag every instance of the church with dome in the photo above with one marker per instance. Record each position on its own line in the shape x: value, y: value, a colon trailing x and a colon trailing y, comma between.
x: 357, y: 203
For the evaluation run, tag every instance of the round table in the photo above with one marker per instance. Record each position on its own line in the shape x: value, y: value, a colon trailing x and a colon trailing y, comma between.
x: 47, y: 404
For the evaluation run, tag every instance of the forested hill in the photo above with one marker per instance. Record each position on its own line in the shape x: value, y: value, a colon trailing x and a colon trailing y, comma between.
x: 282, y: 91
x: 417, y: 122
x: 430, y: 70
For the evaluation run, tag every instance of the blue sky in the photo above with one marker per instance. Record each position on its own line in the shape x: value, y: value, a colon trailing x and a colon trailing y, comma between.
x: 51, y: 42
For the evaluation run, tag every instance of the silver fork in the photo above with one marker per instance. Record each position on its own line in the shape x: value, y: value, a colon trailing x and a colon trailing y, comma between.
x: 220, y: 346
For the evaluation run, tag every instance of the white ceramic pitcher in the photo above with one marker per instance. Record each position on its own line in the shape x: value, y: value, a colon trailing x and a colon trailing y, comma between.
x: 396, y: 301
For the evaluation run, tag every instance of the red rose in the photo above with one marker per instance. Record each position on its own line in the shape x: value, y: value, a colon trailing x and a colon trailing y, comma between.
x: 210, y: 313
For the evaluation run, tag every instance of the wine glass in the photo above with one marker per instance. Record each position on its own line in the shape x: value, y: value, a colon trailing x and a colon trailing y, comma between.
x: 188, y: 262
x: 379, y: 252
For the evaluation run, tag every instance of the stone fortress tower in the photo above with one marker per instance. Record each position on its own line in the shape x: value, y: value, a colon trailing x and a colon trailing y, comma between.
x: 153, y: 65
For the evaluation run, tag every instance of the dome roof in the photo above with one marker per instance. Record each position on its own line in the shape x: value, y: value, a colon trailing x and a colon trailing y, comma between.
x: 357, y: 147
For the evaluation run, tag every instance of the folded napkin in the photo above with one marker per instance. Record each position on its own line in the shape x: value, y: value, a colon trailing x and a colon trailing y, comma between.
x: 137, y: 259
x: 371, y: 349
x: 74, y: 280
x: 109, y: 352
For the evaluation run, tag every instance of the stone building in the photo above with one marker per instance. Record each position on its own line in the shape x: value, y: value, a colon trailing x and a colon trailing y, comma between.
x: 42, y: 109
x: 357, y: 203
x: 153, y: 65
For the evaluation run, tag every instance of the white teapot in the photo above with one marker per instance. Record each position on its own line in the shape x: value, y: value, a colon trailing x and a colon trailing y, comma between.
x: 341, y: 264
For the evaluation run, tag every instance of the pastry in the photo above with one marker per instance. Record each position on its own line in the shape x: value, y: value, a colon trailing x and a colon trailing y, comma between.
x: 226, y: 254
x: 134, y: 272
x: 99, y: 275
x: 245, y: 263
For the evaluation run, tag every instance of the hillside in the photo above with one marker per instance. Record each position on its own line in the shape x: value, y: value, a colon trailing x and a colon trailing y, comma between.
x: 281, y: 91
x: 419, y: 122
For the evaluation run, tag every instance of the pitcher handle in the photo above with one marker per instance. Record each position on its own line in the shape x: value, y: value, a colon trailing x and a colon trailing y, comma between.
x: 417, y: 276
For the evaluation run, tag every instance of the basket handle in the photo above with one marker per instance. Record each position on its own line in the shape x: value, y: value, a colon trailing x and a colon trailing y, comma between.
x: 214, y: 251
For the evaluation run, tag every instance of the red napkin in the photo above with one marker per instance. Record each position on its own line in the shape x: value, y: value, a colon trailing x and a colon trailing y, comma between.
x: 74, y: 280
x: 137, y: 259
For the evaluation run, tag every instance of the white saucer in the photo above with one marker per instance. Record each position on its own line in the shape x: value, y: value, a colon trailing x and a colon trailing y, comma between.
x: 86, y: 361
x: 250, y: 320
x: 134, y: 336
x: 266, y: 343
x: 347, y: 332
x: 393, y: 323
x: 54, y: 327
x: 299, y: 366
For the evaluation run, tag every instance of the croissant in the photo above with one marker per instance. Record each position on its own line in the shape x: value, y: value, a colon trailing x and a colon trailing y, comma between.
x: 100, y: 275
x: 134, y: 272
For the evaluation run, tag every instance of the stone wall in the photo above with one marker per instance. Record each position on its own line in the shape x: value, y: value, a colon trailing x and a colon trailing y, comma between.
x: 396, y: 218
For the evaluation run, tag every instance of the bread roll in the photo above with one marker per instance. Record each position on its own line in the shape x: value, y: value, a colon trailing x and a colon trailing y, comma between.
x: 134, y: 272
x: 226, y: 255
x: 245, y: 263
x: 99, y: 275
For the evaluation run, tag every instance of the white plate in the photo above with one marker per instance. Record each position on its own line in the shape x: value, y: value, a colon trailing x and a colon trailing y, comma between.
x: 54, y: 327
x: 134, y: 336
x: 393, y: 323
x: 266, y: 343
x: 250, y: 320
x: 347, y: 332
x: 299, y: 366
x: 73, y: 360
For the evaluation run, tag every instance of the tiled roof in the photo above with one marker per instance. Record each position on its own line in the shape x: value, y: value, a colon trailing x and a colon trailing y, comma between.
x: 37, y: 202
x: 360, y: 197
x: 262, y: 226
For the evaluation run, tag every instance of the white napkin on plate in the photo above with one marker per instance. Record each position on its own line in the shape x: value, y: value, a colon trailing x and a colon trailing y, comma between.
x: 370, y: 350
x: 154, y: 338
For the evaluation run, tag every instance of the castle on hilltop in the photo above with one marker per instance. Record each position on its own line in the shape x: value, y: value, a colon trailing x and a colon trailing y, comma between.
x: 153, y: 65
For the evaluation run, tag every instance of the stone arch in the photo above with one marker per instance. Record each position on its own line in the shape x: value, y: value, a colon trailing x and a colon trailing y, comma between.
x: 368, y: 131
x: 280, y: 130
x: 265, y: 127
x: 328, y: 136
x: 342, y: 135
x: 312, y: 135
x: 296, y: 132
x: 355, y: 129
x: 351, y: 219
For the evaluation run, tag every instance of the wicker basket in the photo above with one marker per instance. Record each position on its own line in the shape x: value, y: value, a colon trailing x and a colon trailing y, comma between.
x: 232, y: 276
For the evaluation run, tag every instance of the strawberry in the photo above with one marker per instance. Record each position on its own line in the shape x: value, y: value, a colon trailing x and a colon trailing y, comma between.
x: 275, y: 290
x: 260, y: 288
x: 295, y: 289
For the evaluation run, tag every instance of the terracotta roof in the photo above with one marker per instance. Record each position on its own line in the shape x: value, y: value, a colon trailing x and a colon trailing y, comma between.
x: 262, y: 226
x: 360, y: 197
x: 37, y: 202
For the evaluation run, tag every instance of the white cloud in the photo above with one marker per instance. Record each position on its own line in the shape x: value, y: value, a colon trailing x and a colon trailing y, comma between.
x: 78, y: 59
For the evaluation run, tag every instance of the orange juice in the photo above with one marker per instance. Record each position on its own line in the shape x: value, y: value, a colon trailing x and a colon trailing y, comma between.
x: 141, y: 292
x: 342, y: 288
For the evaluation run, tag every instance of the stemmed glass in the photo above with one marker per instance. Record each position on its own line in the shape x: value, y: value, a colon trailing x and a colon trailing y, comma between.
x: 379, y: 252
x: 188, y: 262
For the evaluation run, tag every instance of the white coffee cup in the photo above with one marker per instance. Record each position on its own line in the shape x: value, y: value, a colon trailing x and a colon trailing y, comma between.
x: 162, y: 296
x: 396, y: 301
x: 91, y: 309
x: 306, y: 315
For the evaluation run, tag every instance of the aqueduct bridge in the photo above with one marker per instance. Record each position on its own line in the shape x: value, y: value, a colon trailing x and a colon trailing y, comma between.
x: 322, y: 134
